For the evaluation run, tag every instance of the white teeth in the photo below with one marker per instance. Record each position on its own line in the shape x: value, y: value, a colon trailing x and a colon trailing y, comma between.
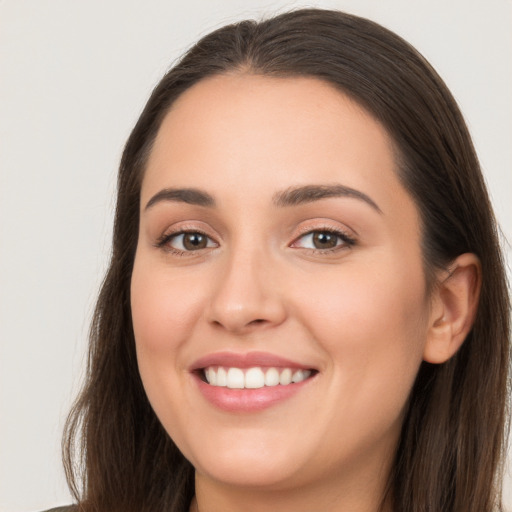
x: 235, y: 379
x: 253, y: 378
x: 299, y: 375
x: 222, y: 377
x: 285, y: 377
x: 211, y: 376
x: 272, y: 377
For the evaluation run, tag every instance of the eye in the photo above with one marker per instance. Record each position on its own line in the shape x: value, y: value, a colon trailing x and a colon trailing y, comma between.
x: 186, y: 241
x: 323, y: 240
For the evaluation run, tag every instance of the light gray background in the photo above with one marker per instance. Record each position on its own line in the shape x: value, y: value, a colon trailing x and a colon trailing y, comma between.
x: 74, y: 76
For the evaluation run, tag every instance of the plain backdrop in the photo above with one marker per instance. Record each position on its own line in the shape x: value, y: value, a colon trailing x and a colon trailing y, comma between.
x: 74, y: 75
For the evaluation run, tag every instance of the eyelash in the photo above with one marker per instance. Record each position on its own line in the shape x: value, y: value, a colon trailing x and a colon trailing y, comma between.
x: 346, y: 240
x: 164, y: 240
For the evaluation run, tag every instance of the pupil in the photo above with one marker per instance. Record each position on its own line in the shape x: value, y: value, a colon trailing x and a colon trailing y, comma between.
x: 192, y: 241
x: 324, y: 240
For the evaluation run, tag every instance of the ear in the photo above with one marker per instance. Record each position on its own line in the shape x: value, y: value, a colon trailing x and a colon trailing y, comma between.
x: 454, y: 307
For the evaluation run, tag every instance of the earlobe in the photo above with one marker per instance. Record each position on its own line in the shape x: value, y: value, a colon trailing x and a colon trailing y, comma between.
x: 454, y: 307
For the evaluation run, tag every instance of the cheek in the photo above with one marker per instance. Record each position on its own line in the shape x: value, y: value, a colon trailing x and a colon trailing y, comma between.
x: 165, y: 311
x: 371, y: 305
x: 373, y: 326
x: 163, y: 308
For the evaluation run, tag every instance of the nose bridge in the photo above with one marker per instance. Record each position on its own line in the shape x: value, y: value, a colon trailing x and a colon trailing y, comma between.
x: 246, y: 295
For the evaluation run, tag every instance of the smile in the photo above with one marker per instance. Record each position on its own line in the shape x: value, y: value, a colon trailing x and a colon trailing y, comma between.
x: 250, y: 382
x: 253, y: 378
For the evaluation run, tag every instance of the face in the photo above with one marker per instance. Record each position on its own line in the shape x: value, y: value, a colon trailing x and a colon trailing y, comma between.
x: 278, y: 294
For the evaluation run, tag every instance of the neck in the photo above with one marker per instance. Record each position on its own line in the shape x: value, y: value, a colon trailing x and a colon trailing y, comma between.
x: 362, y: 495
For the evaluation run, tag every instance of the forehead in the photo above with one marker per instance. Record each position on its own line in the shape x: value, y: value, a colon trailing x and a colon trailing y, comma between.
x: 273, y: 133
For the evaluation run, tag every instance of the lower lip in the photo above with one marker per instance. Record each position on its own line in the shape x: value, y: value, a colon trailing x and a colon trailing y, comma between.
x: 248, y: 400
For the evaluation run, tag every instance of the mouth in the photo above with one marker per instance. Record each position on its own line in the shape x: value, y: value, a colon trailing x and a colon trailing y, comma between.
x: 253, y: 378
x: 250, y: 382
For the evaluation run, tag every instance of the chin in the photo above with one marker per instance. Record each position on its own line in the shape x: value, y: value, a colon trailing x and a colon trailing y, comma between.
x: 251, y: 464
x: 251, y: 473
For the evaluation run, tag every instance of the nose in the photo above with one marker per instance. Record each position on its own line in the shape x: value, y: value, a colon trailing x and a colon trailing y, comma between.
x: 247, y: 294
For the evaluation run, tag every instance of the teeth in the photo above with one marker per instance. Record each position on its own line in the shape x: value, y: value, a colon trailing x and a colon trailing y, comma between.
x: 253, y: 378
x: 211, y: 376
x: 272, y: 377
x: 222, y: 377
x: 235, y: 379
x: 285, y: 377
x: 300, y: 375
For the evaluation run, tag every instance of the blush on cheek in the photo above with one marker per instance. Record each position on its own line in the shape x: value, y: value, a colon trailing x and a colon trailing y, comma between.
x: 363, y: 318
x: 164, y: 311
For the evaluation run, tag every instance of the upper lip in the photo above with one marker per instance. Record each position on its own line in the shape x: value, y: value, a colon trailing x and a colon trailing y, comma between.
x: 246, y: 360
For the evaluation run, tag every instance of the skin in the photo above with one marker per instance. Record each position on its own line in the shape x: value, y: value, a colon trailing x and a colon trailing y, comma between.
x: 359, y: 314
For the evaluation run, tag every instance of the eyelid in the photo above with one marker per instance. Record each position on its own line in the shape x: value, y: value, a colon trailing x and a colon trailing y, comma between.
x: 324, y: 224
x: 162, y: 242
x: 345, y: 235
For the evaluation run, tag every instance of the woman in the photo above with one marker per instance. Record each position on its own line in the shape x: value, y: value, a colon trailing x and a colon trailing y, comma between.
x: 306, y: 307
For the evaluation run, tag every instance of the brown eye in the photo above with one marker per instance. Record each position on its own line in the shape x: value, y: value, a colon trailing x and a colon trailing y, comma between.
x: 188, y: 241
x: 325, y: 240
x: 194, y: 241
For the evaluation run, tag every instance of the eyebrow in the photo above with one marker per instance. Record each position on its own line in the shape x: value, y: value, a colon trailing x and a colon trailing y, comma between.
x: 311, y: 193
x: 292, y: 196
x: 182, y: 195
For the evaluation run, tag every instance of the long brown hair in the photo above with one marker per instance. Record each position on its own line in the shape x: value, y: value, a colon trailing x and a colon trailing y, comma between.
x: 118, y: 456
